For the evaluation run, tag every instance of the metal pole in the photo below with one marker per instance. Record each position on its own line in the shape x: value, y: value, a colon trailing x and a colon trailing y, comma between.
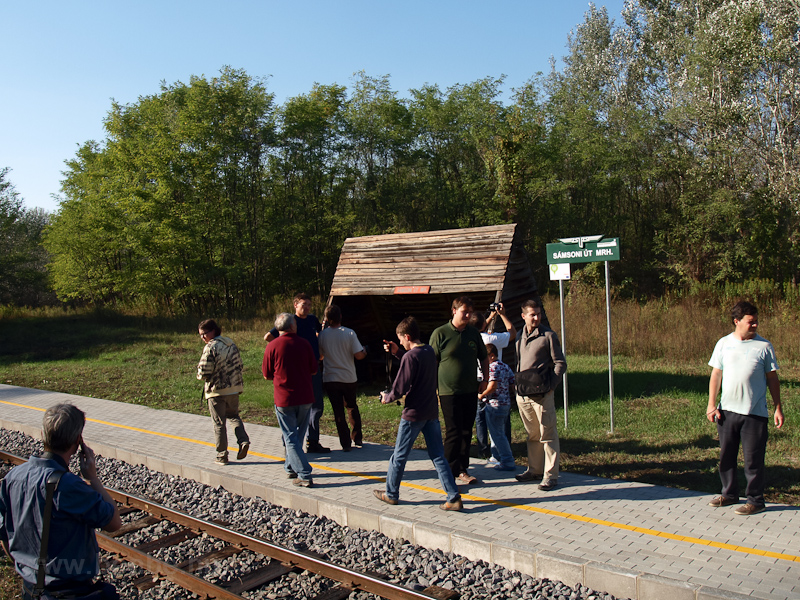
x: 610, y: 362
x: 563, y: 349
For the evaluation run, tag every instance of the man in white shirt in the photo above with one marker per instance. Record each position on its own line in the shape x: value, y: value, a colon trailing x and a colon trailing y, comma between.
x: 339, y: 348
x: 750, y: 368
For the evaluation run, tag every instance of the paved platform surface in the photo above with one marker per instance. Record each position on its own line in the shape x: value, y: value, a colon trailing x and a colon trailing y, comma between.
x: 630, y: 539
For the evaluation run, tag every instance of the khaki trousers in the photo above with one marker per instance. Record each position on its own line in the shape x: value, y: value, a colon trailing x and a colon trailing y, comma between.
x: 222, y: 408
x: 539, y: 417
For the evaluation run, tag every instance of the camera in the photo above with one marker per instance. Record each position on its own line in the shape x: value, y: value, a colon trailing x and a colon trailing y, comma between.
x: 494, y: 307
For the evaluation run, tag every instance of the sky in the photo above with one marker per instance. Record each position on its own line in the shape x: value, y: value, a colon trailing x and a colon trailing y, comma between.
x: 63, y: 63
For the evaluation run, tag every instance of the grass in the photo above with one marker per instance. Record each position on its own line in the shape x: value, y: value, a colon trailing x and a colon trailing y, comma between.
x: 660, y: 433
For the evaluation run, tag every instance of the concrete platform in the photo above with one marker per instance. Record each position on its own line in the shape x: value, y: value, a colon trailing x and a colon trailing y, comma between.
x: 630, y: 539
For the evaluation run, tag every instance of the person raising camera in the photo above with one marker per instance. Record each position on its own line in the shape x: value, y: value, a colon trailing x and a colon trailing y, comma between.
x: 416, y: 380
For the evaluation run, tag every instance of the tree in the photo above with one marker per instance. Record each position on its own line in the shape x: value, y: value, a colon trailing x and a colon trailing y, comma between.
x: 23, y: 273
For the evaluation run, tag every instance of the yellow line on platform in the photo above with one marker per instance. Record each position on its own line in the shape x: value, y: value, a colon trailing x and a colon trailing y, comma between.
x: 533, y: 509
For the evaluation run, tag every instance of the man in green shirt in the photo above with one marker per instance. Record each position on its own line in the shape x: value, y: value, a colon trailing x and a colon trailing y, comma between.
x: 458, y: 347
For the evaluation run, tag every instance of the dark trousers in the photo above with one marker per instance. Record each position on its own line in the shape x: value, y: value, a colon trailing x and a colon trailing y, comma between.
x: 316, y: 409
x: 99, y: 590
x: 751, y: 432
x: 459, y: 418
x: 343, y: 396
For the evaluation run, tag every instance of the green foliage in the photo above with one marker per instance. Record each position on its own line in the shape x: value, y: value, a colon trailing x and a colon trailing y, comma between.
x: 675, y: 130
x: 23, y: 275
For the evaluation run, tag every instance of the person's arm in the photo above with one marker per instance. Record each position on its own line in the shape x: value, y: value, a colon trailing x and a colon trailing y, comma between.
x: 775, y: 391
x: 512, y: 332
x: 559, y: 362
x: 266, y: 365
x: 482, y: 386
x: 714, y: 382
x: 205, y: 368
x: 402, y: 383
x: 271, y: 335
x: 487, y: 393
x: 89, y: 473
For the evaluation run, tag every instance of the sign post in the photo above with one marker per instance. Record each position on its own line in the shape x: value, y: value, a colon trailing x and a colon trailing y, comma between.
x: 561, y: 272
x: 585, y: 249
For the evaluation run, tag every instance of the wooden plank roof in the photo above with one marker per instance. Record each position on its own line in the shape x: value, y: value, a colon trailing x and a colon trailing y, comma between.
x: 449, y: 261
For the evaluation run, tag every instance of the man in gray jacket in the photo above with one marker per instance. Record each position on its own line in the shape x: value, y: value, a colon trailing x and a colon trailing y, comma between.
x: 221, y: 368
x: 538, y: 348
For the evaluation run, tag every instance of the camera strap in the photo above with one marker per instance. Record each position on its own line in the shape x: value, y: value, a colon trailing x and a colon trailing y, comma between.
x: 52, y: 484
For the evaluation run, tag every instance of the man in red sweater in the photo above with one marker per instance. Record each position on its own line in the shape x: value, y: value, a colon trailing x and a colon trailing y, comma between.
x: 289, y: 362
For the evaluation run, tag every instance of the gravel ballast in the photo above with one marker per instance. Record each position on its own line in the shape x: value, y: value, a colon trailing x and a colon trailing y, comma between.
x: 398, y: 560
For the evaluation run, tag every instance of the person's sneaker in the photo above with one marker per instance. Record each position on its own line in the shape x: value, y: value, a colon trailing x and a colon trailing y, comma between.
x: 455, y: 505
x: 346, y: 449
x: 527, y: 476
x: 492, y: 461
x: 304, y: 482
x: 466, y: 479
x: 291, y: 475
x: 381, y: 495
x: 316, y: 448
x: 546, y: 486
x: 359, y: 446
x: 749, y: 509
x: 243, y: 448
x: 222, y: 460
x: 720, y: 501
x: 501, y: 467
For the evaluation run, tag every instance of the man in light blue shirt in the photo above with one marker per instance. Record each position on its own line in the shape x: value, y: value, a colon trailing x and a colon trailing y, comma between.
x: 750, y: 368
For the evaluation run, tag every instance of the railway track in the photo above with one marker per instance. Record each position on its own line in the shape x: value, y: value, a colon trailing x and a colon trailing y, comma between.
x: 277, y: 562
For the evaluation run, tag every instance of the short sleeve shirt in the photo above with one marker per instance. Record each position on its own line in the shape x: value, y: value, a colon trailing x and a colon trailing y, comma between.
x: 744, y: 365
x: 77, y: 511
x: 501, y: 374
x: 338, y: 346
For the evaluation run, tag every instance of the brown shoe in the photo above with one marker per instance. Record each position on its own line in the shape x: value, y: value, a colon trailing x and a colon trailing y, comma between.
x: 749, y: 509
x: 527, y: 476
x: 381, y: 495
x: 243, y: 448
x: 455, y: 505
x: 720, y: 501
x: 466, y: 479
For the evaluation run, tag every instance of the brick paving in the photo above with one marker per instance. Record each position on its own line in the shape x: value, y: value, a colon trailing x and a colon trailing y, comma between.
x: 637, y: 540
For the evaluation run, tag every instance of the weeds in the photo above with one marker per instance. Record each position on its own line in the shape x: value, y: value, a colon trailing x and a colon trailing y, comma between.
x: 661, y: 349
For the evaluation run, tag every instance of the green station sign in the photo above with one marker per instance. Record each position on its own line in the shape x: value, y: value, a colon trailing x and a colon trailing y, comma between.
x: 590, y: 248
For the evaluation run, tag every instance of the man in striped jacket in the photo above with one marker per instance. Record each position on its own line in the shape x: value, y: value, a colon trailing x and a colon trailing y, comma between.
x: 221, y: 369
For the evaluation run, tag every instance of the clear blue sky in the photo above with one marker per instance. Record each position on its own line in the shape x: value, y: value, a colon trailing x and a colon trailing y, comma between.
x: 63, y: 62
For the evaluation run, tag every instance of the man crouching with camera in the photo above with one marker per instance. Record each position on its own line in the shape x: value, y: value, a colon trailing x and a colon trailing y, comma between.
x: 416, y: 380
x: 78, y: 507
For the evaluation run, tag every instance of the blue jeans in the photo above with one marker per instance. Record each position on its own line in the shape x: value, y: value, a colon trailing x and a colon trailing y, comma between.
x: 293, y: 421
x: 482, y: 430
x: 407, y: 434
x: 496, y: 418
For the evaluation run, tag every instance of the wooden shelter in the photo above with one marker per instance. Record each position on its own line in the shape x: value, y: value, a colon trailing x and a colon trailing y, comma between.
x: 381, y: 279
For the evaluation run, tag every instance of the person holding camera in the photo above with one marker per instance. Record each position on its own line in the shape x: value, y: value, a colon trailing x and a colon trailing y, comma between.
x: 416, y: 380
x: 79, y: 506
x: 500, y: 340
x: 539, y: 351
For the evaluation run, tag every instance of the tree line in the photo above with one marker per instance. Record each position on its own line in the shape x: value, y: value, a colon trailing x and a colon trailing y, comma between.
x: 675, y: 129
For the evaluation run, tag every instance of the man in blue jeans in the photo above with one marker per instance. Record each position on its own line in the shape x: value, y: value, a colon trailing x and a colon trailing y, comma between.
x: 416, y: 380
x: 308, y: 328
x: 289, y: 362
